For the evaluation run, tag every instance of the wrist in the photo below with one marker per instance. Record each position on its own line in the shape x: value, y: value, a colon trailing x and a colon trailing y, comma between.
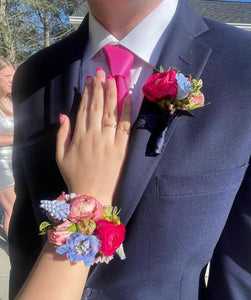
x: 103, y: 197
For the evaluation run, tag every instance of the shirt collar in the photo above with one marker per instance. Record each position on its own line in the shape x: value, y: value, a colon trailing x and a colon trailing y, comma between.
x: 154, y: 25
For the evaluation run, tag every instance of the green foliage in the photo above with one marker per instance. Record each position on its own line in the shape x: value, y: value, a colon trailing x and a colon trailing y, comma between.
x: 45, y: 227
x: 86, y: 226
x: 111, y: 214
x: 161, y: 69
x: 72, y: 228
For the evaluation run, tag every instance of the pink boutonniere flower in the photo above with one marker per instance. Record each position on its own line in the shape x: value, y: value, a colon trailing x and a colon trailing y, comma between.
x: 160, y: 85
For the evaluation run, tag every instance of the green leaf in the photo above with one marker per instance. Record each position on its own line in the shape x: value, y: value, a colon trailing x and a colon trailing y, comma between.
x: 45, y: 227
x: 72, y: 228
x: 161, y: 69
x: 108, y: 210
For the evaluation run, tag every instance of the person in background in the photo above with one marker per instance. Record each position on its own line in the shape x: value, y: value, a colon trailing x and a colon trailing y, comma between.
x: 7, y: 194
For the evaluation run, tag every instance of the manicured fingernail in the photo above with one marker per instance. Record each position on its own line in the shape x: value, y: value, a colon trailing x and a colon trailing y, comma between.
x: 109, y: 77
x: 99, y: 69
x: 88, y: 79
x: 61, y: 119
x: 127, y: 94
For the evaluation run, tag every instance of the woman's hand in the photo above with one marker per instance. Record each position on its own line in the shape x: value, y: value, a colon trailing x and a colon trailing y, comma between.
x: 92, y: 161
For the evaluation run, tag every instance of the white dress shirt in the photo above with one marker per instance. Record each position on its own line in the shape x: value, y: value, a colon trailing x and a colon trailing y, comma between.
x: 145, y: 40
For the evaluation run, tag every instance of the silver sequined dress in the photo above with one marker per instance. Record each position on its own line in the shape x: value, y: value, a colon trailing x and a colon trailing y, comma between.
x: 6, y: 175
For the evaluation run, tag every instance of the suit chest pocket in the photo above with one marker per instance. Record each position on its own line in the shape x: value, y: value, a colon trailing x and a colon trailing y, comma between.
x: 176, y: 186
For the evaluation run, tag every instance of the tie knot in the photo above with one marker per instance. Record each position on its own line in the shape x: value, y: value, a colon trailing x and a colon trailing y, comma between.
x: 119, y: 60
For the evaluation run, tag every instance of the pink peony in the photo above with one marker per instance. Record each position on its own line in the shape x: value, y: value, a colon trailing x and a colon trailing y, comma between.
x: 160, y: 85
x: 85, y: 207
x: 59, y: 235
x: 110, y: 235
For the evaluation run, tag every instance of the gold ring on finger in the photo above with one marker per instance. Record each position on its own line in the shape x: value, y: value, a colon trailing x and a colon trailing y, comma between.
x: 112, y: 125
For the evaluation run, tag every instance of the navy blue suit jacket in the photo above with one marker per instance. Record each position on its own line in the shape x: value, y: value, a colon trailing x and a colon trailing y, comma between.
x: 190, y: 205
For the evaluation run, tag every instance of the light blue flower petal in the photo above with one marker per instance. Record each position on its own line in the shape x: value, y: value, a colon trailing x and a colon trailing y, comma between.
x: 56, y: 209
x: 62, y: 249
x: 80, y: 247
x: 184, y: 87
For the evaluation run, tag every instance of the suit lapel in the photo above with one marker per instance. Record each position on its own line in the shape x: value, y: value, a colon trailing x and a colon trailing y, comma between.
x: 184, y: 52
x: 183, y: 49
x: 71, y: 78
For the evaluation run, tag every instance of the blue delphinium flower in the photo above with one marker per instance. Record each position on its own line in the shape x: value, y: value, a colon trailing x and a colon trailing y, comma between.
x: 80, y: 247
x: 58, y: 210
x: 184, y: 87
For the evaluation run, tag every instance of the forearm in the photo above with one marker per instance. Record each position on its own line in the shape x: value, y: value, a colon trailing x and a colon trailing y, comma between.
x: 54, y: 277
x: 6, y: 140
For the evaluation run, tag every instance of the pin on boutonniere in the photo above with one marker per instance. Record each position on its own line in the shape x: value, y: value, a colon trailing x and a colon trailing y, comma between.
x: 175, y: 95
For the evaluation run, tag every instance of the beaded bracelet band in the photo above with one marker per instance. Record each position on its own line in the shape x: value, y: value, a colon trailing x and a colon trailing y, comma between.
x: 82, y: 229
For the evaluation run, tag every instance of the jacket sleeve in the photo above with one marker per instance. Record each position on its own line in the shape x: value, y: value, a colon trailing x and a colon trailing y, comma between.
x: 230, y: 268
x: 24, y: 242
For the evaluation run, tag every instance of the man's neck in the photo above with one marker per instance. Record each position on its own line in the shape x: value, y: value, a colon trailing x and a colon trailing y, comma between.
x: 119, y: 17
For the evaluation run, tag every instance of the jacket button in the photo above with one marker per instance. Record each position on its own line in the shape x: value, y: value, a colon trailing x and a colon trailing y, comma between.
x: 87, y: 292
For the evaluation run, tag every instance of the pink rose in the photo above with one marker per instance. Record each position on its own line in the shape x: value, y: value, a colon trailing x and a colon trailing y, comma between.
x: 85, y: 207
x: 160, y: 85
x: 197, y: 100
x: 59, y: 235
x: 110, y: 235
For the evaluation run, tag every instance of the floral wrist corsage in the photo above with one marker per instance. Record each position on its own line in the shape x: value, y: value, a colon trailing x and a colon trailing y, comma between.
x: 82, y: 229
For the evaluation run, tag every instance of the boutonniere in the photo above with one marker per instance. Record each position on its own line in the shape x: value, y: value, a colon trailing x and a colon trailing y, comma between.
x: 175, y: 95
x: 174, y: 92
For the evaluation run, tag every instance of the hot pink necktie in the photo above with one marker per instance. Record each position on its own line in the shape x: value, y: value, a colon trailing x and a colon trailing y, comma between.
x: 119, y: 61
